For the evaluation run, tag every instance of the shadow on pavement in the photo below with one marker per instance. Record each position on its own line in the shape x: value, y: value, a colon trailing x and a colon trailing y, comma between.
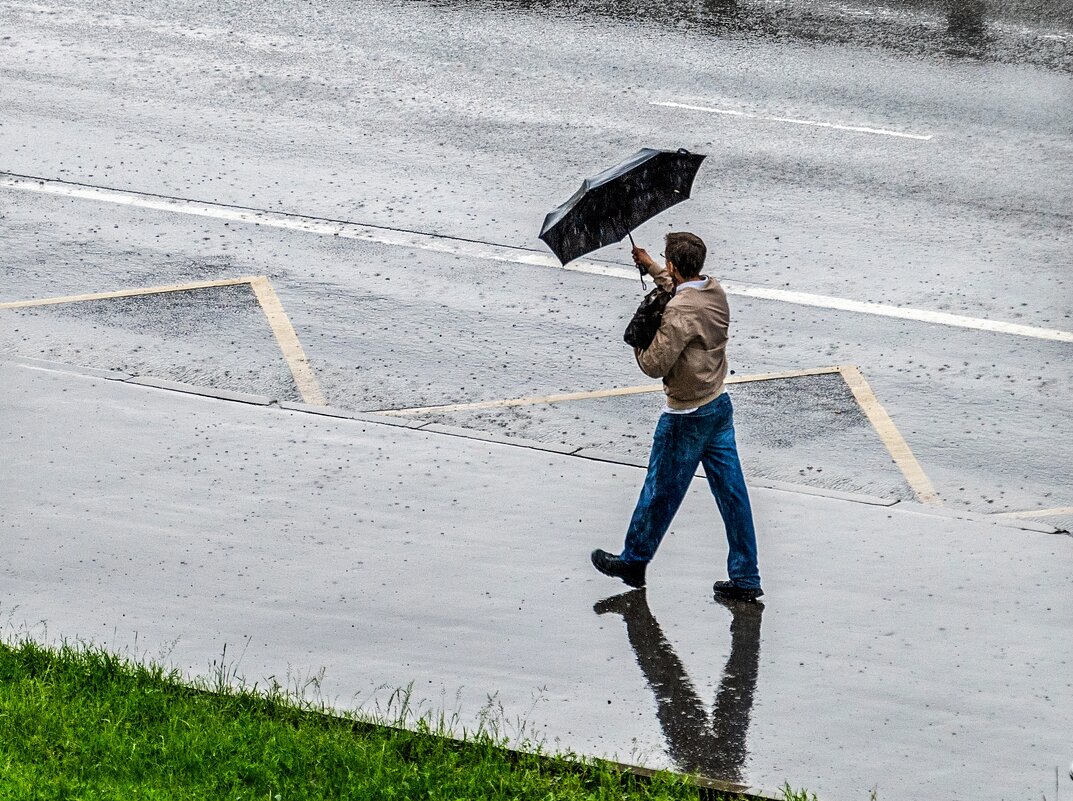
x: 710, y: 744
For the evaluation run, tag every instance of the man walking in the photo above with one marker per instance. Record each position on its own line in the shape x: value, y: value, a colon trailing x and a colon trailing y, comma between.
x: 696, y: 427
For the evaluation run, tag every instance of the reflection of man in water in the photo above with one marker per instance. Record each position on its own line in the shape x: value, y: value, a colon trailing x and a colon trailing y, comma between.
x: 710, y: 745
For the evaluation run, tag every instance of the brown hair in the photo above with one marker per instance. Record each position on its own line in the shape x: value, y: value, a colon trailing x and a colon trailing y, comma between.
x: 687, y: 251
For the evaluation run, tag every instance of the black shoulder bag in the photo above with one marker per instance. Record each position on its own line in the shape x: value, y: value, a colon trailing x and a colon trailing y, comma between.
x: 642, y: 328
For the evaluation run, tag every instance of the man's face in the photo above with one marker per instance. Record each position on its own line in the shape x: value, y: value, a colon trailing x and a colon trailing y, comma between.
x: 668, y: 265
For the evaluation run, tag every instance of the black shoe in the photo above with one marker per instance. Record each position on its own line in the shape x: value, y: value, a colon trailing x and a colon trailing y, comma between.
x: 730, y: 591
x: 633, y: 573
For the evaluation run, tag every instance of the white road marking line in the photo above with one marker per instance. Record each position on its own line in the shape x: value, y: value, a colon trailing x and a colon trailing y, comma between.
x: 793, y: 120
x: 502, y: 253
x: 297, y: 222
x: 901, y: 312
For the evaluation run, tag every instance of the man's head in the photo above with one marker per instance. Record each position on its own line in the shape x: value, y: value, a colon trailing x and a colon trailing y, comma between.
x: 686, y: 252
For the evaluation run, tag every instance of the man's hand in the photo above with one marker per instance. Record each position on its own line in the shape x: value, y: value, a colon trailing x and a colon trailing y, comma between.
x: 642, y: 259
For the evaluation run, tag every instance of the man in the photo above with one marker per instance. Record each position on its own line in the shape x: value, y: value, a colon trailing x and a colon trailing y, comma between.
x: 696, y: 427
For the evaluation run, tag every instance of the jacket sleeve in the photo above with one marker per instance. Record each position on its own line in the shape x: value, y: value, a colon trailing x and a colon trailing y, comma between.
x: 662, y: 278
x: 659, y: 357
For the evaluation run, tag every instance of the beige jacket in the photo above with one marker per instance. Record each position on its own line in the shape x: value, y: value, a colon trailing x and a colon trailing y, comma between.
x: 689, y: 349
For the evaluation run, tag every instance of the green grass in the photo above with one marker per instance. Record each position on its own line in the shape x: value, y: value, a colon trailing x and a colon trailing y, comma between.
x: 80, y: 723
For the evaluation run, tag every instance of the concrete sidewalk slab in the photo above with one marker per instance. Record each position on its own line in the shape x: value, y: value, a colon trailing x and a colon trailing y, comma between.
x: 922, y: 655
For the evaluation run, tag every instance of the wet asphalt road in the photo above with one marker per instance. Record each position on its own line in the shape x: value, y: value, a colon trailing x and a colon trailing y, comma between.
x: 472, y: 120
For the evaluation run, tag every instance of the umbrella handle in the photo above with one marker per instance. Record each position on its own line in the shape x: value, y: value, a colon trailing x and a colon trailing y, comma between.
x: 639, y: 268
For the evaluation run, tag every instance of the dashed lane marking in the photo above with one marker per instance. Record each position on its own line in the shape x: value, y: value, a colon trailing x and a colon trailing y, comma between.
x: 793, y: 120
x: 456, y: 246
x: 267, y: 299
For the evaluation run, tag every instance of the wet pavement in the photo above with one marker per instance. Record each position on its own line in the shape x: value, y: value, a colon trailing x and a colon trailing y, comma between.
x: 985, y: 414
x: 180, y: 336
x: 456, y: 120
x: 969, y: 30
x: 355, y: 558
x: 909, y: 154
x: 804, y: 430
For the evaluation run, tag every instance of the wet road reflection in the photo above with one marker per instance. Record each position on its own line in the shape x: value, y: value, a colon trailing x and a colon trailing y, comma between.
x: 1018, y: 31
x: 711, y: 744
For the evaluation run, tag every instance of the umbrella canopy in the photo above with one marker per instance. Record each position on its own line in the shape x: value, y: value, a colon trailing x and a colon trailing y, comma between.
x: 609, y: 205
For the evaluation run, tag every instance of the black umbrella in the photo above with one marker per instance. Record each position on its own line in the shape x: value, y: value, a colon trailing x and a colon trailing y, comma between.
x: 609, y: 205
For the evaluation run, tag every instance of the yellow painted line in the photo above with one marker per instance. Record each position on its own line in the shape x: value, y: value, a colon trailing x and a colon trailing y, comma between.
x: 866, y: 399
x: 748, y: 379
x: 592, y: 394
x: 1056, y: 512
x: 126, y: 293
x: 292, y: 350
x: 891, y: 437
x: 533, y: 401
x: 277, y: 318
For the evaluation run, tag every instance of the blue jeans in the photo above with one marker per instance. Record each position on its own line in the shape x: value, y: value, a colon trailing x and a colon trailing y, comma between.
x: 681, y: 442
